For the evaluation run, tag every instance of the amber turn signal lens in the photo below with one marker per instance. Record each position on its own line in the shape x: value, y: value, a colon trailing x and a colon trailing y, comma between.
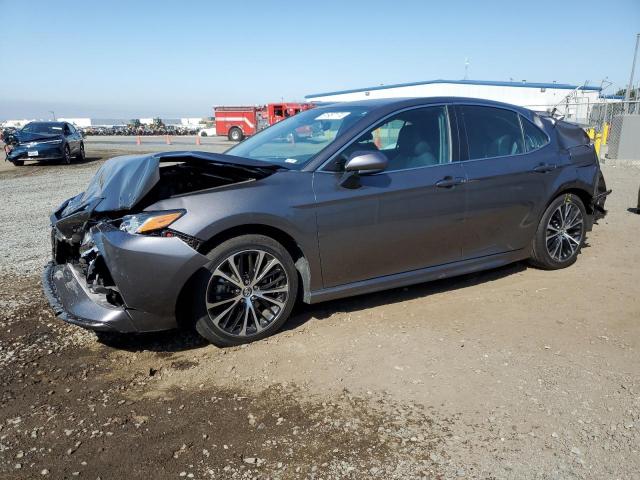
x: 161, y: 221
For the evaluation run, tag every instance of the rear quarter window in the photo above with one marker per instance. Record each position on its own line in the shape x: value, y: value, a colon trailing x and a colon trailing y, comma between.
x: 534, y: 138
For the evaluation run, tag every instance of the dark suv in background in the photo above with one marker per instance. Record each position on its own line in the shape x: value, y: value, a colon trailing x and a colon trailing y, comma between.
x: 45, y: 141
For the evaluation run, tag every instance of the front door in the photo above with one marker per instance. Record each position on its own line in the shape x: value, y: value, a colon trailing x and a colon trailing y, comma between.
x: 408, y: 217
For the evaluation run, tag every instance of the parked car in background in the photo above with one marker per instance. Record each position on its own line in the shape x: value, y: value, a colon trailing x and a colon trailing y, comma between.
x: 6, y: 133
x: 207, y: 132
x: 379, y: 194
x: 46, y: 141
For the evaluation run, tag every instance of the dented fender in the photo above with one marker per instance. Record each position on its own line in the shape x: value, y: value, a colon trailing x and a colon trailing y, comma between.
x: 161, y: 264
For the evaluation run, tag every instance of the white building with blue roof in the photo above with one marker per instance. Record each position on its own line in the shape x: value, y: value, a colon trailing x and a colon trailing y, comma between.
x: 574, y: 101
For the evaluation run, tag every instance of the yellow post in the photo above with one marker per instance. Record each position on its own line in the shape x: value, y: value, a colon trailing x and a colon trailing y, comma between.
x: 598, y: 143
x: 605, y: 133
x: 592, y: 133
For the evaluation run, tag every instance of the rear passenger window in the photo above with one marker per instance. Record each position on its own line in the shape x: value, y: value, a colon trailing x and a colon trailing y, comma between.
x: 534, y: 138
x: 492, y: 132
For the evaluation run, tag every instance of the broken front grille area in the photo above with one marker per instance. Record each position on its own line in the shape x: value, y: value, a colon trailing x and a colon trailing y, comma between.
x: 81, y: 251
x: 96, y: 273
x: 90, y: 264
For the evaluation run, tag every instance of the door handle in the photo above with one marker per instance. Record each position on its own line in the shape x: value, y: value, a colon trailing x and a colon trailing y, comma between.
x: 450, y: 182
x: 544, y: 168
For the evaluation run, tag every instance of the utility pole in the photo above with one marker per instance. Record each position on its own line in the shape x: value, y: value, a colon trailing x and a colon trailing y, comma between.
x: 53, y: 114
x: 627, y: 93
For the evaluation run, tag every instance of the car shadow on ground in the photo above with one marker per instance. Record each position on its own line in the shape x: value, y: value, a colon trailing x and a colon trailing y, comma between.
x: 188, y: 339
x: 170, y: 341
x: 321, y: 311
x: 58, y: 163
x: 87, y: 159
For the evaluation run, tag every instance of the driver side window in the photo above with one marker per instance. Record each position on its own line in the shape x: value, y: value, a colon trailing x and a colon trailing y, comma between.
x: 411, y: 139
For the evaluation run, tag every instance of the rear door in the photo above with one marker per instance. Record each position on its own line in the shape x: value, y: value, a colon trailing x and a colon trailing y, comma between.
x: 77, y: 137
x: 72, y: 138
x: 408, y: 217
x: 509, y: 175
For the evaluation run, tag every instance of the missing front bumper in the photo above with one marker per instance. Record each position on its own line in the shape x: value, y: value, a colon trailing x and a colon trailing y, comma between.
x: 148, y: 273
x: 74, y: 303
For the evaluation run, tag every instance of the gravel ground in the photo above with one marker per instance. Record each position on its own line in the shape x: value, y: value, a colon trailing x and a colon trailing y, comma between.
x: 514, y: 373
x: 128, y: 144
x: 30, y: 194
x: 35, y: 190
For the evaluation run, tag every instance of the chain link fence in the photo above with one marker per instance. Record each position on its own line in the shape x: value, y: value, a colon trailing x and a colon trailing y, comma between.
x: 621, y: 131
x: 613, y: 125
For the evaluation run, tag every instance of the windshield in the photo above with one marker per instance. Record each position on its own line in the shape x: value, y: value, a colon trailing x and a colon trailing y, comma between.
x: 294, y: 141
x: 41, y: 127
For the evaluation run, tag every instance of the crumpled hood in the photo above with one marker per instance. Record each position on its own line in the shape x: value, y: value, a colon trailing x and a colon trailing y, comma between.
x: 26, y: 137
x: 123, y: 181
x: 120, y: 183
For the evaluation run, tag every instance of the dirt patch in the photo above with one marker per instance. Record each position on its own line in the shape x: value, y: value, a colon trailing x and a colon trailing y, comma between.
x: 83, y: 412
x: 508, y: 374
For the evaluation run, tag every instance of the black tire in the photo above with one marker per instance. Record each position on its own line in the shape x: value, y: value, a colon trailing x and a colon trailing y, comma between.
x: 235, y: 134
x: 66, y: 155
x: 203, y: 134
x: 216, y: 334
x: 18, y: 163
x: 81, y: 154
x: 556, y: 244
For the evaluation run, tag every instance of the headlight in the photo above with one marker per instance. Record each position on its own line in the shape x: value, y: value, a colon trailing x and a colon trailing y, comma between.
x: 49, y: 142
x: 149, y: 222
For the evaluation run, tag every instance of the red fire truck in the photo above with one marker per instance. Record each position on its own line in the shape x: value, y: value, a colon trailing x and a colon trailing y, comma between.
x: 239, y: 122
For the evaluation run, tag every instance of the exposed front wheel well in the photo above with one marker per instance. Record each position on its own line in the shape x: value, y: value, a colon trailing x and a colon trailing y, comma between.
x: 280, y: 236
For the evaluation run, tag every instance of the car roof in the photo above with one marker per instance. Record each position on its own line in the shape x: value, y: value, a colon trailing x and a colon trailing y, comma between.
x: 380, y: 108
x: 40, y: 122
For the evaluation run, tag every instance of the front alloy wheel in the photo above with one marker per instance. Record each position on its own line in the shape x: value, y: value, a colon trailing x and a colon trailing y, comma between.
x: 247, y: 292
x: 250, y: 292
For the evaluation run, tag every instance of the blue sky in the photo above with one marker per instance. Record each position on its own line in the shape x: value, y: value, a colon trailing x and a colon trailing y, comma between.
x: 174, y: 58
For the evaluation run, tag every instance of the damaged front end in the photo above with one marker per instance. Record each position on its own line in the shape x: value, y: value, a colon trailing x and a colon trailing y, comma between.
x: 117, y: 265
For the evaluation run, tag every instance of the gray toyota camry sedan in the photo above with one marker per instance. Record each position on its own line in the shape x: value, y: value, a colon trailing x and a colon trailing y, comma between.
x: 340, y: 200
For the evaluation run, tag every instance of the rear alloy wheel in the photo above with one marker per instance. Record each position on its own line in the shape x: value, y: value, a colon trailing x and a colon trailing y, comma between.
x: 81, y: 155
x: 235, y: 134
x: 66, y: 155
x: 561, y: 233
x: 250, y: 292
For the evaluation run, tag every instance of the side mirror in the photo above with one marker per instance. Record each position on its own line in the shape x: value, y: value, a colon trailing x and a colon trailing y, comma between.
x: 366, y: 162
x: 362, y: 163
